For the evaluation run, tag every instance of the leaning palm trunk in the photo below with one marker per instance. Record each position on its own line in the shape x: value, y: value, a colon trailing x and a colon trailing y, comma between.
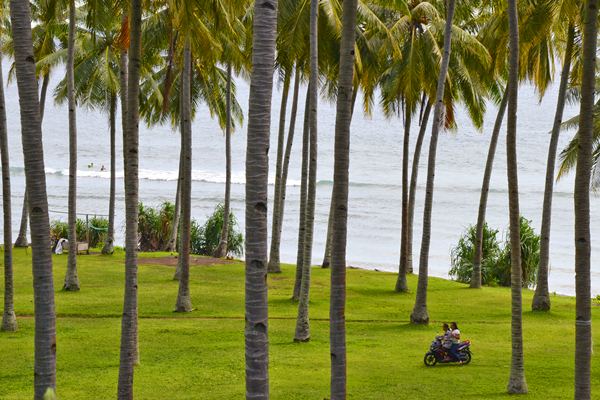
x: 222, y: 248
x: 33, y: 154
x: 274, y: 262
x: 485, y: 188
x: 287, y: 155
x: 414, y: 176
x: 172, y: 243
x: 516, y: 383
x: 302, y: 322
x: 541, y: 298
x: 401, y: 285
x: 22, y: 237
x: 184, y: 302
x: 420, y: 314
x: 257, y: 180
x: 303, y: 193
x: 9, y: 320
x: 128, y: 352
x: 337, y: 317
x: 108, y: 247
x: 71, y: 279
x: 583, y: 318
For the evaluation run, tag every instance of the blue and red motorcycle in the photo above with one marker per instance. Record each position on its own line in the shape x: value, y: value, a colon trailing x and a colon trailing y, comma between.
x: 438, y: 354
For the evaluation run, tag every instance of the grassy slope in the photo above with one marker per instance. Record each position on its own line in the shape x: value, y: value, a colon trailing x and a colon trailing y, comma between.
x: 200, y: 355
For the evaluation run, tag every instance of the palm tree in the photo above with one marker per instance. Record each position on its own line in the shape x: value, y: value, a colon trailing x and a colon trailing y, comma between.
x: 71, y: 278
x: 221, y: 250
x: 257, y: 172
x: 302, y: 323
x: 9, y: 320
x: 541, y: 299
x: 337, y: 327
x: 420, y: 314
x: 184, y: 302
x: 303, y: 193
x: 286, y: 163
x: 485, y: 187
x: 274, y: 262
x: 516, y: 383
x: 43, y: 284
x: 130, y: 156
x: 583, y: 323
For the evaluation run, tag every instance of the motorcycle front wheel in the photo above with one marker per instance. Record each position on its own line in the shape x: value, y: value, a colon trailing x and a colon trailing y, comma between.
x: 466, y: 357
x: 430, y: 359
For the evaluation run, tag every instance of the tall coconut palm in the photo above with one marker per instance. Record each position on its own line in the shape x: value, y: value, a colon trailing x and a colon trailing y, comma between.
x: 128, y: 353
x: 583, y: 316
x: 302, y: 322
x: 43, y: 284
x: 9, y: 320
x: 71, y: 278
x: 274, y: 262
x: 419, y: 314
x: 541, y: 298
x: 257, y: 172
x: 302, y: 200
x: 221, y: 250
x: 337, y: 317
x: 516, y: 383
x: 485, y: 187
x: 184, y: 302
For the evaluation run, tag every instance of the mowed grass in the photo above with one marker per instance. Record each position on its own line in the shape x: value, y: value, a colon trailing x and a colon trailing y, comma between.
x: 200, y: 355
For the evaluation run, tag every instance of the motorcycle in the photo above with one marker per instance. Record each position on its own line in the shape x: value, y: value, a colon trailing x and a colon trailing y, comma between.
x: 438, y: 354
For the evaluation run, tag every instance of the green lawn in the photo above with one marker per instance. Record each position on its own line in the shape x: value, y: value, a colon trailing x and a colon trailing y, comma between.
x: 200, y: 355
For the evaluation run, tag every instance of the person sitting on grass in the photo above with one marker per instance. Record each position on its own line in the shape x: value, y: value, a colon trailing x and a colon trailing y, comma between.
x: 455, y: 339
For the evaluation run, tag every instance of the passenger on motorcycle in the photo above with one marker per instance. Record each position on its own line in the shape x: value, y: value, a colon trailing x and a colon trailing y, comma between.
x: 455, y: 341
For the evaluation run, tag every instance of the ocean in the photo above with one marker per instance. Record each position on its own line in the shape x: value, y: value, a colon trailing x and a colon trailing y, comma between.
x: 375, y: 177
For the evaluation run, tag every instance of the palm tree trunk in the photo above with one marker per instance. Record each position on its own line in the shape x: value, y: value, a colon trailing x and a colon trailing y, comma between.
x: 343, y: 117
x: 327, y: 252
x: 184, y: 302
x: 302, y: 201
x: 257, y: 180
x: 33, y: 154
x: 401, y: 285
x: 302, y: 322
x: 71, y: 278
x: 128, y: 353
x: 123, y: 83
x: 9, y: 319
x: 221, y: 250
x: 274, y: 263
x: 420, y: 314
x: 172, y: 244
x: 516, y: 383
x: 541, y: 298
x: 287, y: 155
x: 22, y: 237
x: 110, y: 237
x: 414, y: 176
x: 485, y: 188
x: 583, y: 318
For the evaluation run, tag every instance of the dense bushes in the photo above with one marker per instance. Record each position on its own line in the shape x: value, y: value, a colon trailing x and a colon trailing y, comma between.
x: 205, y: 239
x: 155, y: 228
x: 98, y: 230
x: 495, y: 266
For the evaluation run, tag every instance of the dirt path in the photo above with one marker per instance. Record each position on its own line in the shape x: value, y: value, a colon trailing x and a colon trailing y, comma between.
x: 171, y: 261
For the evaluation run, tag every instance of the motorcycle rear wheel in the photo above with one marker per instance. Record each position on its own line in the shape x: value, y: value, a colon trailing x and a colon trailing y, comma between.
x: 430, y: 359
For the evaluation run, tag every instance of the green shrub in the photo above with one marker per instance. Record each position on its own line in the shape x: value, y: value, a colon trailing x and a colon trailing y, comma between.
x: 60, y: 229
x: 205, y: 239
x: 154, y: 226
x: 461, y: 256
x: 496, y: 265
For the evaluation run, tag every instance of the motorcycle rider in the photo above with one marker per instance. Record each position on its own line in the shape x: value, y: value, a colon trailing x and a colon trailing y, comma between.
x: 455, y: 339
